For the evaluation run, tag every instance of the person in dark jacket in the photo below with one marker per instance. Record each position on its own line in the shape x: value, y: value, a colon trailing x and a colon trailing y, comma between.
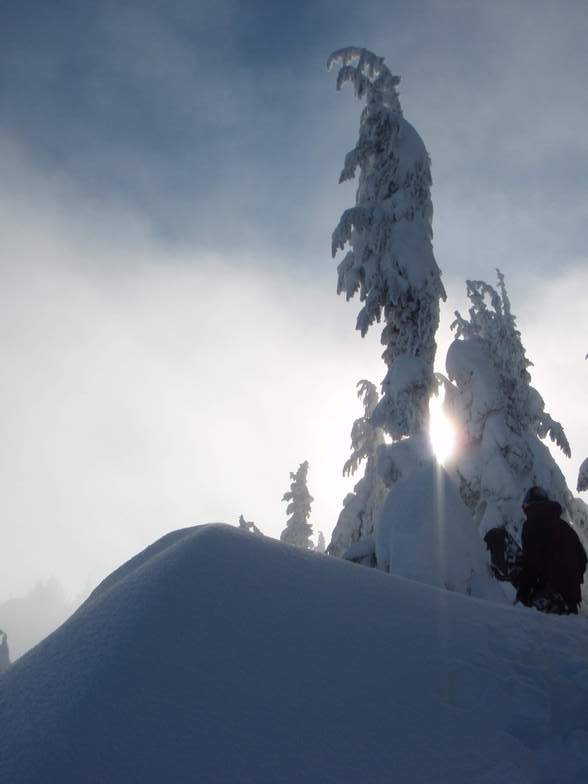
x: 553, y: 558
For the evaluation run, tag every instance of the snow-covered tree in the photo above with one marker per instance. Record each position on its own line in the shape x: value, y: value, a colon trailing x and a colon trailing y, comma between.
x: 583, y: 472
x: 360, y: 508
x: 248, y: 525
x: 583, y: 477
x: 321, y: 545
x: 298, y: 530
x: 4, y: 652
x: 499, y: 416
x: 390, y: 260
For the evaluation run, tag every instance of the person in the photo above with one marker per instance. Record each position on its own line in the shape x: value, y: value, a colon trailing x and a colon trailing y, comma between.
x: 553, y: 558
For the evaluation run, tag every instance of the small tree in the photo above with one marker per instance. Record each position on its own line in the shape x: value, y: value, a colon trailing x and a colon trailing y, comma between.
x: 321, y: 545
x: 298, y: 530
x: 500, y: 417
x: 248, y: 525
x: 583, y: 477
x: 4, y: 652
x: 360, y: 508
x: 390, y: 260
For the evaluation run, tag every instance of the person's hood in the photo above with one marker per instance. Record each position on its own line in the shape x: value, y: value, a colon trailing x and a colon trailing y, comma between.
x: 542, y: 510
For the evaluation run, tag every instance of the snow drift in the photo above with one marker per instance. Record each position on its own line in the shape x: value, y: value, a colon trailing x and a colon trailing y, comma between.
x: 218, y: 656
x: 426, y: 533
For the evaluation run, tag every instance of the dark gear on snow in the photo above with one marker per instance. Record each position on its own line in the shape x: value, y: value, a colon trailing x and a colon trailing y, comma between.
x: 553, y: 559
x: 505, y: 555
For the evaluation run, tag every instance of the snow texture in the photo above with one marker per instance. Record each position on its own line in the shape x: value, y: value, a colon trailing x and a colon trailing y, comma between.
x: 196, y: 661
x: 390, y: 260
x: 298, y: 530
x: 426, y: 533
x: 500, y: 417
x: 361, y: 507
x: 583, y: 477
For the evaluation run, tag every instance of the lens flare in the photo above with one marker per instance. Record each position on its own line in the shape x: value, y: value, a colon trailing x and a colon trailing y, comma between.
x: 441, y: 432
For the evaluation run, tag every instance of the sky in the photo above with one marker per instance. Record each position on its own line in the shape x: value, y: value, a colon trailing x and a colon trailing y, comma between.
x: 172, y: 343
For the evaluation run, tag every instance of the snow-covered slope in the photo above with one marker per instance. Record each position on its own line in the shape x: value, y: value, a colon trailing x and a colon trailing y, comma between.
x: 216, y: 656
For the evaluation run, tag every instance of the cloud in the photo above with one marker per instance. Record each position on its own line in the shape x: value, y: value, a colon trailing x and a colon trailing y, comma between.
x: 172, y: 342
x: 140, y: 393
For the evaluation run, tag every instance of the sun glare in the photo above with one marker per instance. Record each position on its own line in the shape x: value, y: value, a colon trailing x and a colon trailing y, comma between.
x: 442, y: 432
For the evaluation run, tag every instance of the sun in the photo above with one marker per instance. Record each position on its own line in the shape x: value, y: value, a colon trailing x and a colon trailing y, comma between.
x: 441, y: 431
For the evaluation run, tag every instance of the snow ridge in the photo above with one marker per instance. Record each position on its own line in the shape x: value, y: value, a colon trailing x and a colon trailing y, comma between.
x: 185, y: 666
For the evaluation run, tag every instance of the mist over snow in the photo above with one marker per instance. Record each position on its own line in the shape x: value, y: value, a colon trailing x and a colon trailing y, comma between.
x: 156, y: 390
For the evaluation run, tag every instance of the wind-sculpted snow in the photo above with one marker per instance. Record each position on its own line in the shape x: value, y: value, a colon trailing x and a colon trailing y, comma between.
x: 217, y: 656
x: 426, y: 533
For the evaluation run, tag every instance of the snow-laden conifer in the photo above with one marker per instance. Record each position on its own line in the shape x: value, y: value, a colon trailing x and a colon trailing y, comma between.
x: 321, y: 545
x: 248, y: 525
x: 298, y: 530
x: 499, y: 416
x: 583, y: 472
x: 360, y: 508
x: 4, y: 652
x: 390, y: 260
x: 583, y: 477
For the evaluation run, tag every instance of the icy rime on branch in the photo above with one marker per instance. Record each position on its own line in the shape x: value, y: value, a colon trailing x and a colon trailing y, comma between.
x: 583, y: 477
x: 360, y: 508
x: 365, y: 438
x: 390, y: 259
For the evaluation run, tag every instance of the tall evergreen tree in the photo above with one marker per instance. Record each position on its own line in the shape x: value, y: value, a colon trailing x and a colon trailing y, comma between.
x: 298, y: 530
x: 390, y: 260
x: 500, y: 417
x: 360, y: 508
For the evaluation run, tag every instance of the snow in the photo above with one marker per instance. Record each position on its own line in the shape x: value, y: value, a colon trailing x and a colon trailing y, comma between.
x: 426, y: 533
x: 469, y: 364
x: 298, y: 530
x: 390, y: 261
x: 218, y: 656
x: 500, y: 418
x: 583, y: 477
x: 363, y: 548
x: 360, y: 508
x: 401, y: 458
